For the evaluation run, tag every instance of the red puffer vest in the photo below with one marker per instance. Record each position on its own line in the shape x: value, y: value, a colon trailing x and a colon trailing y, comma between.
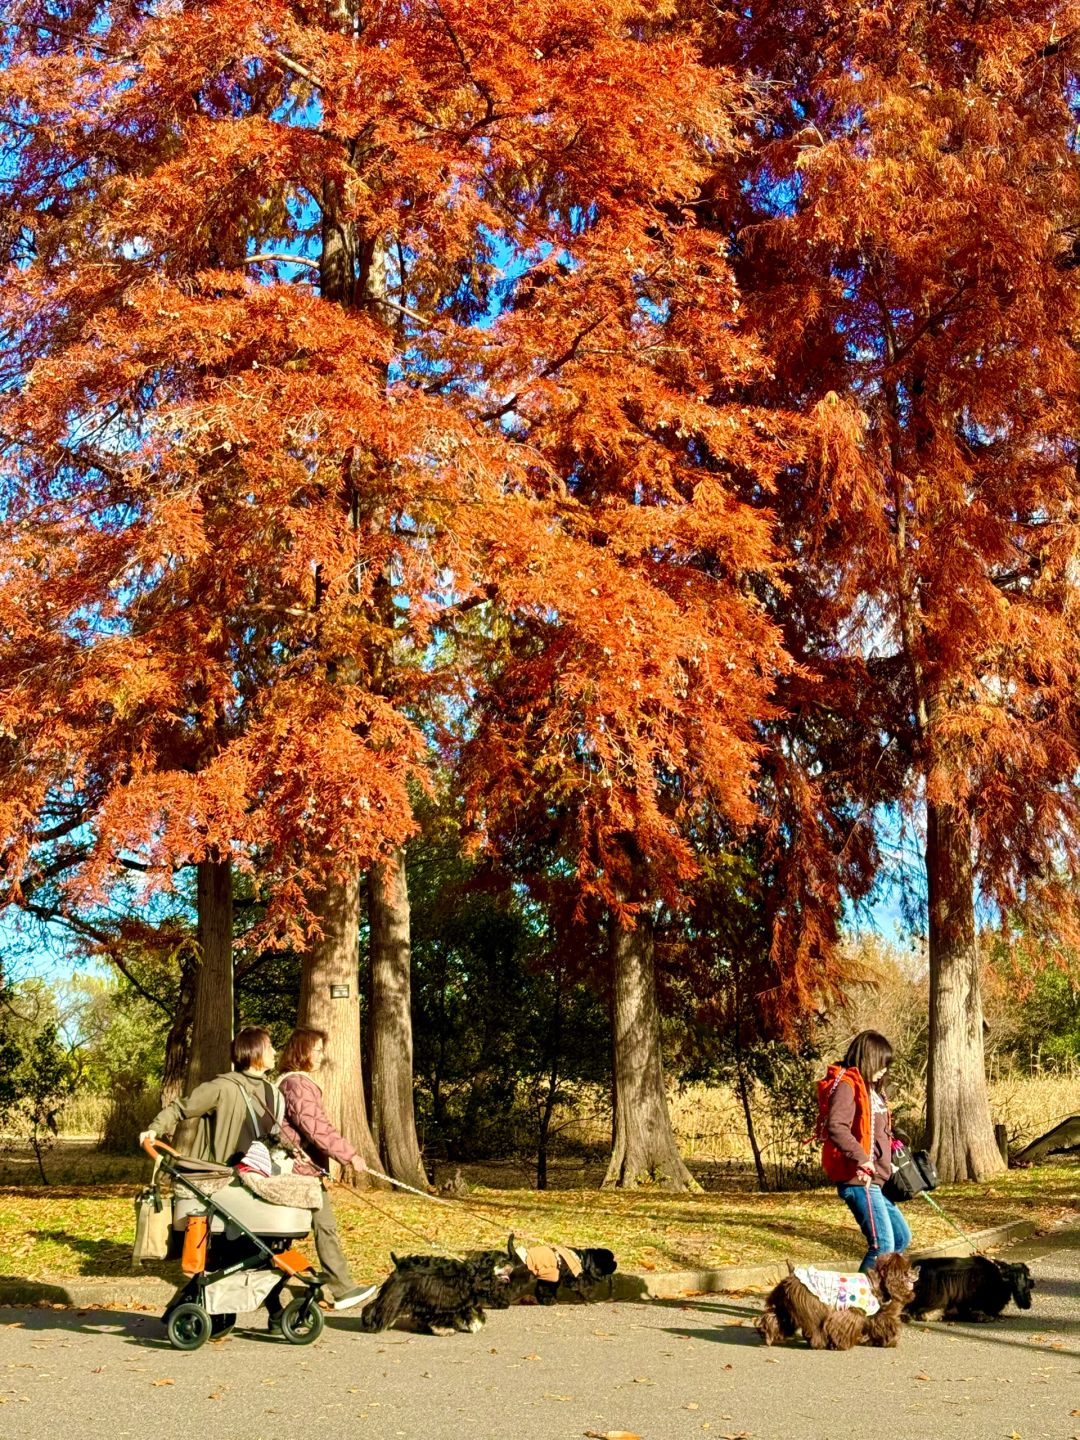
x: 835, y: 1163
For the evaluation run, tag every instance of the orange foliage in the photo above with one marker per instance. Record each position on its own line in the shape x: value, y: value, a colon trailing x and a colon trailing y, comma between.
x: 907, y: 247
x: 211, y: 470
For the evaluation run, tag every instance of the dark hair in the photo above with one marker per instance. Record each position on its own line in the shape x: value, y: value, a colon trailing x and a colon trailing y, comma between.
x: 249, y: 1046
x: 298, y: 1049
x: 868, y: 1053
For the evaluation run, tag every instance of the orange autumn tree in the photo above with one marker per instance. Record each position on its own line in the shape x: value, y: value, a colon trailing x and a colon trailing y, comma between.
x: 237, y: 507
x: 628, y: 663
x: 904, y: 247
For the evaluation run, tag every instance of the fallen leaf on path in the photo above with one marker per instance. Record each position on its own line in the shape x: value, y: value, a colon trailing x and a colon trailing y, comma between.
x: 693, y: 1405
x: 162, y: 1382
x: 922, y: 1375
x: 611, y: 1435
x: 530, y: 1357
x: 643, y: 1380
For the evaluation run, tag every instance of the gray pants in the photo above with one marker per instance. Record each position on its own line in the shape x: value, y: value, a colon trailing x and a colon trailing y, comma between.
x: 328, y: 1248
x: 331, y: 1256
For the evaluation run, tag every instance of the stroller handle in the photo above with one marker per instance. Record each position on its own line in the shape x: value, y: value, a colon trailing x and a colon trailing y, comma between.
x: 155, y: 1146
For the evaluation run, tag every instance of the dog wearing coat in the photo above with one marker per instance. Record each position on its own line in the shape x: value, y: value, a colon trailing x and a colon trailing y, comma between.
x: 554, y: 1265
x: 858, y: 1309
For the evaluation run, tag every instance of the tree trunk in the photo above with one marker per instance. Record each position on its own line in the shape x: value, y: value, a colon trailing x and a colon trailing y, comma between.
x: 210, y: 1052
x: 742, y: 1085
x: 644, y: 1150
x: 332, y: 962
x: 393, y: 1118
x: 960, y: 1130
x: 212, y: 1019
x: 554, y: 1049
x: 178, y: 1040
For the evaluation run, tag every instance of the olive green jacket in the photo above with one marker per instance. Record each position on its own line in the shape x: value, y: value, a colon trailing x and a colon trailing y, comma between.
x: 218, y: 1105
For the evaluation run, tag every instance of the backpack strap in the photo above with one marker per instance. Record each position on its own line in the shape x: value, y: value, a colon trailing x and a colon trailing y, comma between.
x: 274, y: 1116
x: 822, y: 1132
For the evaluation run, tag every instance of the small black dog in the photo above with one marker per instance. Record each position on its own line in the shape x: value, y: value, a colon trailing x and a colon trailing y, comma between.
x: 555, y: 1265
x: 971, y: 1287
x: 439, y: 1294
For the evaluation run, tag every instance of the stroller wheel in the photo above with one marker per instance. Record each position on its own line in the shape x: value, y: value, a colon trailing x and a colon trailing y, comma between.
x: 302, y: 1321
x: 188, y: 1327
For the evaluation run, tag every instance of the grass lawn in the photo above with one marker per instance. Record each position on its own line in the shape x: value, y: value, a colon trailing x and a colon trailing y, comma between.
x: 83, y: 1223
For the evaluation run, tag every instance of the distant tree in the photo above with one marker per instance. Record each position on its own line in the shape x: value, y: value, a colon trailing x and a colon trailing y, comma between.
x: 505, y: 1019
x: 37, y: 1076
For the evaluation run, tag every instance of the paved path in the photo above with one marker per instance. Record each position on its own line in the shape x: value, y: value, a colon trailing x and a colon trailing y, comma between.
x: 663, y: 1370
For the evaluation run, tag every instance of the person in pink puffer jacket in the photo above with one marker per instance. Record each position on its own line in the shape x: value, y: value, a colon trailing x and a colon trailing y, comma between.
x: 307, y: 1128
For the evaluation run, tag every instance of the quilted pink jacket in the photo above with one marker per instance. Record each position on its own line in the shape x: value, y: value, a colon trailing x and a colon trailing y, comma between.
x: 306, y: 1126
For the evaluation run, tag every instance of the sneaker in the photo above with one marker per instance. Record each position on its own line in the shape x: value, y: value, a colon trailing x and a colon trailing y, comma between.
x: 273, y: 1323
x: 358, y: 1295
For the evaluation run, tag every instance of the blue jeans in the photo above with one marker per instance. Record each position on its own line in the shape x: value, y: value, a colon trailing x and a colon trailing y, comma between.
x: 893, y: 1231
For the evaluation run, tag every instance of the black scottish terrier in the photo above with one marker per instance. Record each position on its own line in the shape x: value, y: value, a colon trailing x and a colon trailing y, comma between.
x: 440, y: 1295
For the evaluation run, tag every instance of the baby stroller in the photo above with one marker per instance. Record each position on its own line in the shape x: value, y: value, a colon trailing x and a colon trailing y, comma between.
x: 250, y: 1242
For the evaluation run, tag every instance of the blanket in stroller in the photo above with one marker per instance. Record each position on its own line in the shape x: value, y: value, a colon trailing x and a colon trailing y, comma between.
x: 302, y: 1192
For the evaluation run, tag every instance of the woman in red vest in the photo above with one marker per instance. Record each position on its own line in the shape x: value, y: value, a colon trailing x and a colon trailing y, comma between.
x: 858, y: 1142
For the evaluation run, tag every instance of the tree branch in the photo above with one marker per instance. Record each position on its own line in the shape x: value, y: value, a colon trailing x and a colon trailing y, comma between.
x: 107, y: 942
x: 270, y: 256
x: 294, y: 65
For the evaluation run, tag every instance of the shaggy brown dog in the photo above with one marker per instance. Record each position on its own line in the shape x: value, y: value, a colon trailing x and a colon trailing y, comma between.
x: 792, y: 1307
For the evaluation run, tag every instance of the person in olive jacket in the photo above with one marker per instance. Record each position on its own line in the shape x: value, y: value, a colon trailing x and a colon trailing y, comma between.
x: 220, y: 1105
x: 315, y: 1141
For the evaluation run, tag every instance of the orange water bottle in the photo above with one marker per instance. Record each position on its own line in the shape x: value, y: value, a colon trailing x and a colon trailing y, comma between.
x: 193, y: 1259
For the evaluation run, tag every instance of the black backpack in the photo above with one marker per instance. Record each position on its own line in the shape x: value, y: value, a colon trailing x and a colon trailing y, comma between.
x: 913, y: 1172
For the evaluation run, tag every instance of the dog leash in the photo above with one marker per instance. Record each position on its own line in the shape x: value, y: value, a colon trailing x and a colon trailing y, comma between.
x: 950, y: 1221
x: 412, y: 1229
x: 451, y: 1204
x: 870, y: 1213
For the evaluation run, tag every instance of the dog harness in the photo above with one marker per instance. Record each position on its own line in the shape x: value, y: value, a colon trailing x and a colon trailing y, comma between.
x: 839, y: 1292
x: 543, y: 1260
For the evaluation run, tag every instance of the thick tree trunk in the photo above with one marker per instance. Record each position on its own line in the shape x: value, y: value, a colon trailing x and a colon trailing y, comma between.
x: 332, y: 965
x: 643, y: 1150
x: 960, y: 1130
x: 210, y: 1052
x: 393, y: 1118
